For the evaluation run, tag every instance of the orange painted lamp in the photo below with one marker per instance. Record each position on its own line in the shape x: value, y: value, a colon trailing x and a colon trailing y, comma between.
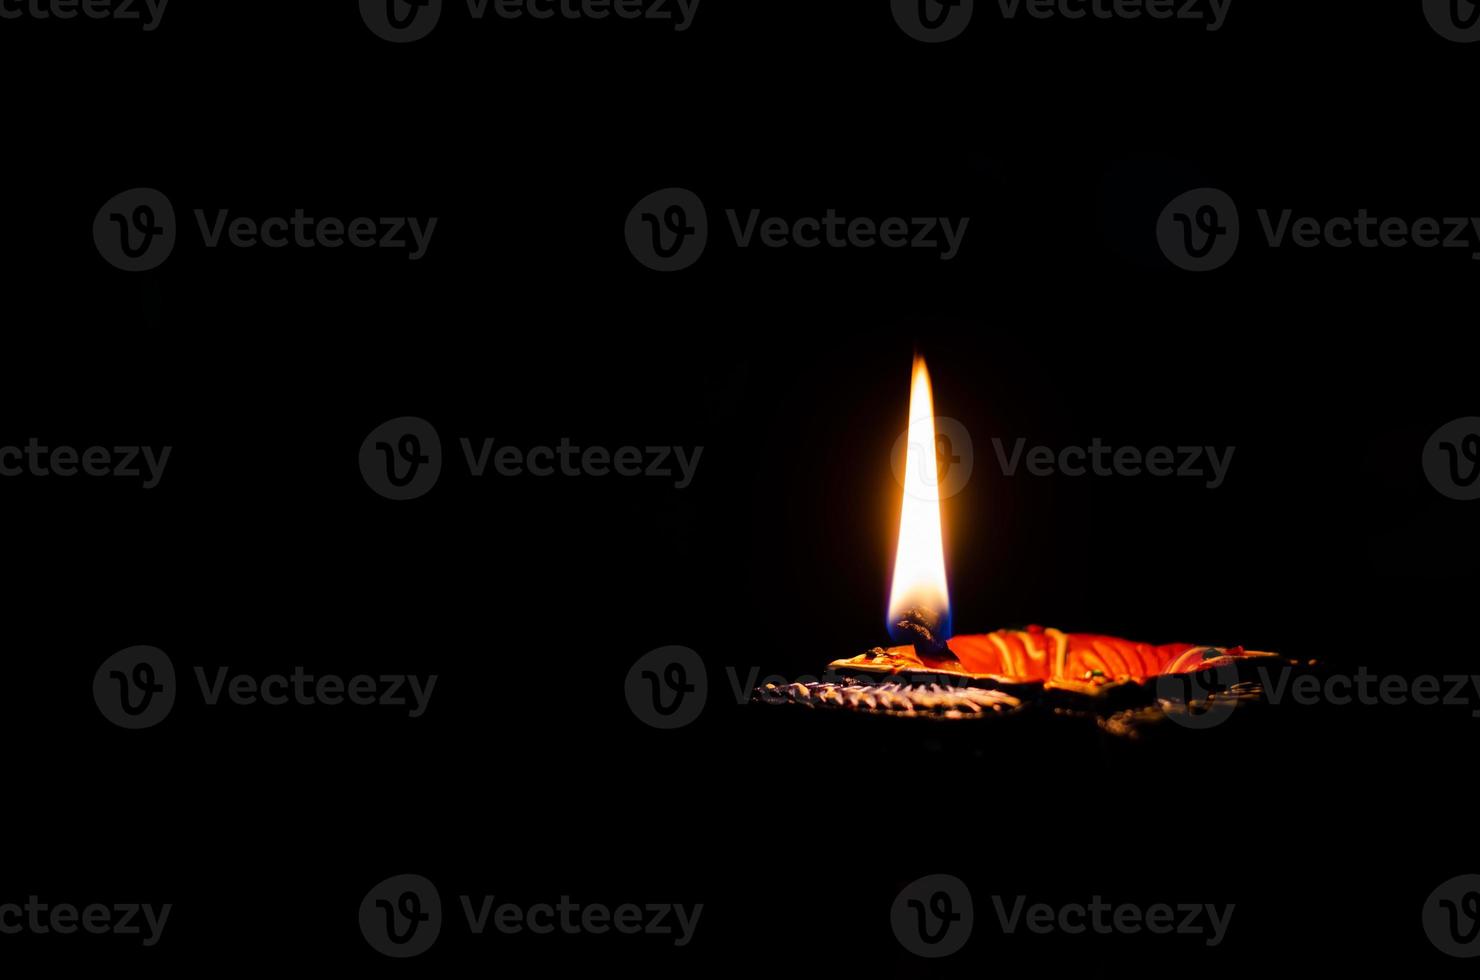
x: 919, y: 607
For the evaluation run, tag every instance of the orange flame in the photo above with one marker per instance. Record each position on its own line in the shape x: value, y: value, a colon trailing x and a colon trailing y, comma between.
x: 919, y: 556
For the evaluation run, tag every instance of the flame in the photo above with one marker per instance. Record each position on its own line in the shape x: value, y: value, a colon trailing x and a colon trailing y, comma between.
x: 919, y: 556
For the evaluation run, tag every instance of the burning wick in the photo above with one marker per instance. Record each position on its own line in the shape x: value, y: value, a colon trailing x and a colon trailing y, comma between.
x: 919, y: 627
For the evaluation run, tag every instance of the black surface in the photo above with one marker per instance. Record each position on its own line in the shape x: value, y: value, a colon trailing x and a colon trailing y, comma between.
x: 528, y: 321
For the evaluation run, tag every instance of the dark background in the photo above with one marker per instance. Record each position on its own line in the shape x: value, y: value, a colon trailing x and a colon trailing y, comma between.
x: 529, y: 321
